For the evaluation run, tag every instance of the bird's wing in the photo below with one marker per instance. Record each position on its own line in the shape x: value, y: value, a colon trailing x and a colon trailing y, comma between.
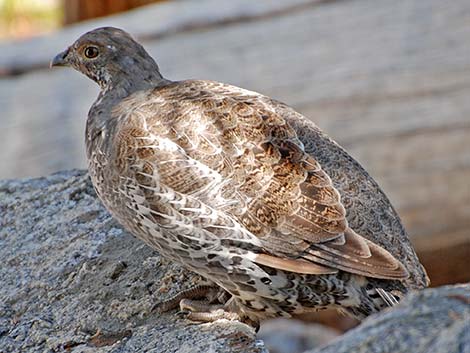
x: 227, y: 148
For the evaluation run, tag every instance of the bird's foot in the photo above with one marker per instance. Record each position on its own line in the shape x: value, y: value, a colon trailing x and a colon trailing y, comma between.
x: 204, y: 303
x: 202, y: 311
x: 211, y: 294
x: 195, y: 310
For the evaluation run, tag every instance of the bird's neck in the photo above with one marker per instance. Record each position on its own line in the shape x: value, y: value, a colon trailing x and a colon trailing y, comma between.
x: 118, y: 86
x: 123, y: 84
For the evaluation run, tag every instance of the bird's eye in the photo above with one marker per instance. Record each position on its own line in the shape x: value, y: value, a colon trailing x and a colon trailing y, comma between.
x: 91, y: 52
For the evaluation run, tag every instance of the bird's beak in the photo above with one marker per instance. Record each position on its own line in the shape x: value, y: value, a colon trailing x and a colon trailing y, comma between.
x: 60, y: 59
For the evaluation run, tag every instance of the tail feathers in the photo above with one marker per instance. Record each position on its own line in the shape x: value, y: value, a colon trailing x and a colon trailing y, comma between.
x: 388, y: 298
x: 374, y: 300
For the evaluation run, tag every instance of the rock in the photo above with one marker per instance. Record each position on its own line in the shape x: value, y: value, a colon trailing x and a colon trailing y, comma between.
x: 73, y: 279
x: 293, y: 336
x: 435, y: 320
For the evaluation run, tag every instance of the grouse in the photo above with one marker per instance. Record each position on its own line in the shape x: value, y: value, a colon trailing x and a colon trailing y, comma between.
x: 240, y: 189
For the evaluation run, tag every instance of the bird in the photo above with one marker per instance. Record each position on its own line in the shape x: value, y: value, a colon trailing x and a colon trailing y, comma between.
x: 240, y: 188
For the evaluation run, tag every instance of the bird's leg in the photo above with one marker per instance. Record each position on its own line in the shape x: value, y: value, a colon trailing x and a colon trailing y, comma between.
x: 206, y: 312
x: 205, y: 303
x: 209, y: 292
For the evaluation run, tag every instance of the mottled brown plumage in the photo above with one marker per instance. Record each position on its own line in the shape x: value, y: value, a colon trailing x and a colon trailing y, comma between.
x: 239, y: 188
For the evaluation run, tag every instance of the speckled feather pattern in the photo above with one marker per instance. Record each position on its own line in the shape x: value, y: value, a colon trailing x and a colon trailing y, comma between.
x: 248, y: 193
x: 212, y: 176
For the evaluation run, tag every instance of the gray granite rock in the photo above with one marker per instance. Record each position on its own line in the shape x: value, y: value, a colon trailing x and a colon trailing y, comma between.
x: 72, y: 279
x: 435, y: 320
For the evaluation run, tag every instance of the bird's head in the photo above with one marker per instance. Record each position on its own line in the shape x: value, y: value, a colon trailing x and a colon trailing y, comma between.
x: 109, y: 56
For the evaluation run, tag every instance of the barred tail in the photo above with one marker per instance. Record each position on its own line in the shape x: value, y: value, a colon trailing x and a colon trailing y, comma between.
x: 374, y: 300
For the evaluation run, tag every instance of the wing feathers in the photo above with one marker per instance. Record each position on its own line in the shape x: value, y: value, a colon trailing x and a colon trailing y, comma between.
x: 358, y: 255
x: 298, y: 266
x: 232, y: 145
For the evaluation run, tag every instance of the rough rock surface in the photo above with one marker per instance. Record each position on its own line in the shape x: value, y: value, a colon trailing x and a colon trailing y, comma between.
x: 435, y: 320
x: 73, y: 280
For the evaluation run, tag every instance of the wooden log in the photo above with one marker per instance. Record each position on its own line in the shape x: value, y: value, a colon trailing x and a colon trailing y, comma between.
x: 80, y: 10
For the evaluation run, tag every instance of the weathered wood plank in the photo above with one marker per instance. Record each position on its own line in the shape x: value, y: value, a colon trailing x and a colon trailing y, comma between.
x: 80, y: 10
x: 166, y: 19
